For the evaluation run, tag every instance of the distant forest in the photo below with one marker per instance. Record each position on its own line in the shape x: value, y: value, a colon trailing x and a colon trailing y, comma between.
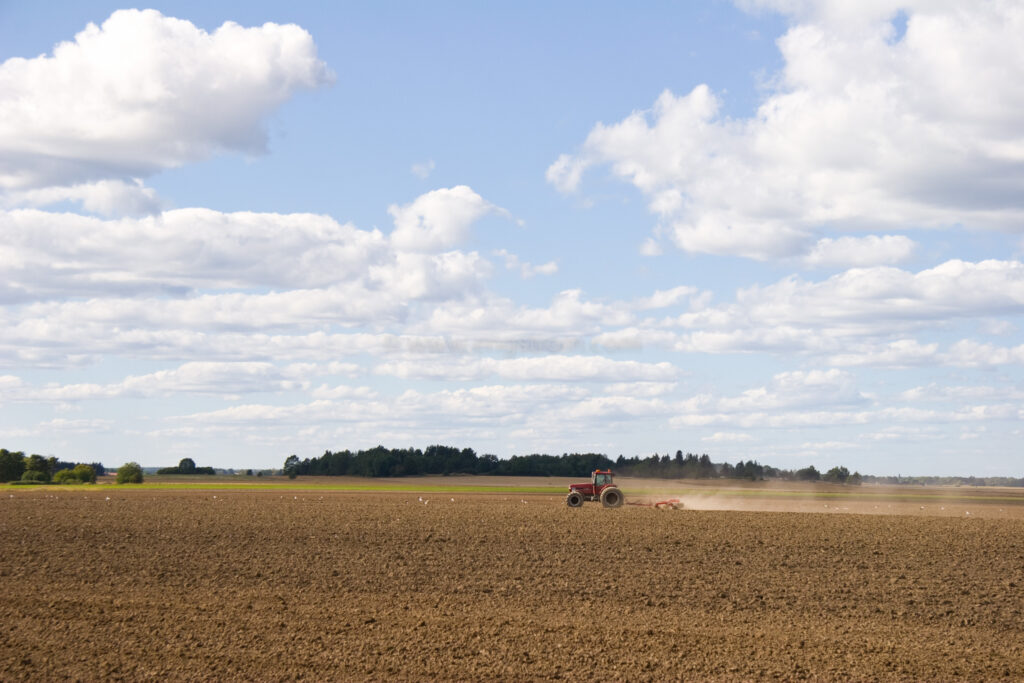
x: 448, y: 460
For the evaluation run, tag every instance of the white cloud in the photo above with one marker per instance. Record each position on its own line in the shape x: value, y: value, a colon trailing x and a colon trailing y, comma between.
x: 184, y: 249
x: 795, y: 389
x: 569, y: 314
x: 225, y: 379
x: 667, y: 298
x: 972, y: 354
x: 145, y: 92
x: 104, y: 197
x: 634, y: 337
x: 51, y: 254
x: 550, y: 368
x: 728, y: 437
x: 423, y: 169
x: 860, y: 251
x: 437, y: 220
x: 902, y: 353
x: 525, y: 268
x: 869, y: 301
x: 863, y: 129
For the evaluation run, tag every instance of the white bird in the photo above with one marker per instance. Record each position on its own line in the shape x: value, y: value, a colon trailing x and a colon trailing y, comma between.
x: 108, y: 497
x: 967, y: 512
x: 453, y: 500
x: 421, y: 499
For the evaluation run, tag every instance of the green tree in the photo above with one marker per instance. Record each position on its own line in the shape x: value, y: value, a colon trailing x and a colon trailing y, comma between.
x: 37, y: 463
x: 808, y: 474
x: 85, y: 474
x: 291, y: 466
x: 837, y: 475
x: 12, y: 465
x: 129, y: 473
x: 186, y: 466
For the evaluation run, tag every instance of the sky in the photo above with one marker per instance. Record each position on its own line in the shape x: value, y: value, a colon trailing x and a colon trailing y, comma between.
x: 775, y: 230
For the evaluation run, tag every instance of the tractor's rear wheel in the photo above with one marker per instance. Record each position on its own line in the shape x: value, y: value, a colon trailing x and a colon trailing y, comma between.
x: 612, y: 498
x: 574, y: 499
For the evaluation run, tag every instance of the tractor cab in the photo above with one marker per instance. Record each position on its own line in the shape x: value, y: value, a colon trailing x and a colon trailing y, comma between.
x: 601, y: 478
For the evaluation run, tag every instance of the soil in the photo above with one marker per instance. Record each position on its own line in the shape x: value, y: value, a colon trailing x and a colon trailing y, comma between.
x: 357, y: 586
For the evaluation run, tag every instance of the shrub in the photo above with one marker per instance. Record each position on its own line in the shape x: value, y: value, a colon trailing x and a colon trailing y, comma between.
x: 85, y: 474
x: 129, y: 473
x: 65, y: 477
x: 36, y: 476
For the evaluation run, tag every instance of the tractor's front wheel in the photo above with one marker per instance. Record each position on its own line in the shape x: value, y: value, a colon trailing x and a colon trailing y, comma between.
x: 612, y: 498
x: 574, y: 499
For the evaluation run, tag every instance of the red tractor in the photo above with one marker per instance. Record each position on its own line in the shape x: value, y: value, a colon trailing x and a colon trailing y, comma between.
x: 601, y: 487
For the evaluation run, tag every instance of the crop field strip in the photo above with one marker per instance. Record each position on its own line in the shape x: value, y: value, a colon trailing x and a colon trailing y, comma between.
x: 645, y: 488
x: 346, y: 585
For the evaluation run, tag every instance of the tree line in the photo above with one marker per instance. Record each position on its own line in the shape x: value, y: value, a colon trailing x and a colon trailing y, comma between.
x: 447, y: 460
x: 186, y: 466
x: 35, y: 469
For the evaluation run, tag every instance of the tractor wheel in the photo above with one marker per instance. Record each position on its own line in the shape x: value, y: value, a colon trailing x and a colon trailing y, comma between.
x: 574, y: 499
x: 612, y: 498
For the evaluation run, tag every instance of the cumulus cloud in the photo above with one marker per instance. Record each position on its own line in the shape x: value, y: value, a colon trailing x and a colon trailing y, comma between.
x: 868, y: 301
x: 437, y: 220
x: 183, y: 249
x: 143, y: 92
x: 863, y: 128
x: 49, y: 254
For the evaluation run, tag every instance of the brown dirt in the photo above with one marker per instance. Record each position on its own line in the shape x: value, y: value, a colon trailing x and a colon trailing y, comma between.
x: 268, y: 586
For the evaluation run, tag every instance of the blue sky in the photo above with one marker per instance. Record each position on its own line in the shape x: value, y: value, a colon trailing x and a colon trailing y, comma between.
x: 780, y: 231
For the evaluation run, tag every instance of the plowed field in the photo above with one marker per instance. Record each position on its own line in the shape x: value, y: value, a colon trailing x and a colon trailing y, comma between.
x: 383, y: 586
